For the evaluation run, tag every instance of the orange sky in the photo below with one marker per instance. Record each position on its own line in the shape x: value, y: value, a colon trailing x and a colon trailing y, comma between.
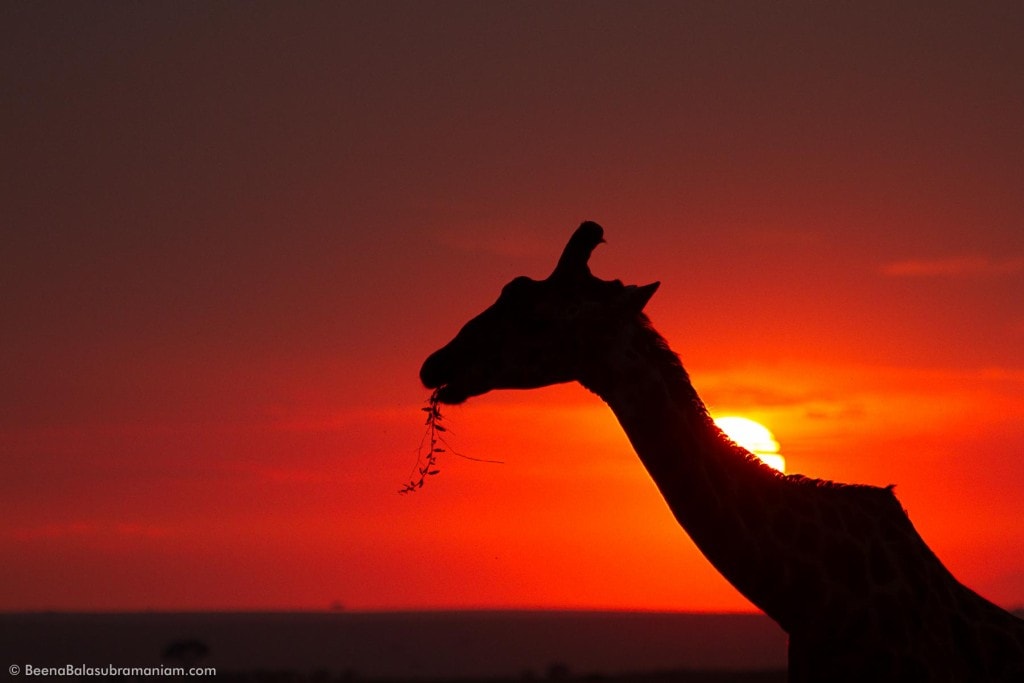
x: 232, y: 233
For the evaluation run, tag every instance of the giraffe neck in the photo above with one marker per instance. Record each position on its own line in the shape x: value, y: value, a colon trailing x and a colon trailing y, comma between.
x: 716, y: 490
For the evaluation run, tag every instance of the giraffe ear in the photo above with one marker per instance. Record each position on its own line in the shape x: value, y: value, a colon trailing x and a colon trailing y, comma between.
x: 573, y: 262
x: 635, y: 297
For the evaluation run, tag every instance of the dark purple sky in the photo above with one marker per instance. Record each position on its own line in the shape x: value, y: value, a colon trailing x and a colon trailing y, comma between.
x: 231, y: 232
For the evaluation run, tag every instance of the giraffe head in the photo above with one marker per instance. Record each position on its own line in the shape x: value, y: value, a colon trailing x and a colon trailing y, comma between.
x: 538, y: 332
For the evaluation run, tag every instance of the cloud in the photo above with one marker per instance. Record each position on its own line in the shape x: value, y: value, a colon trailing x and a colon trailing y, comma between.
x: 964, y: 266
x: 739, y: 394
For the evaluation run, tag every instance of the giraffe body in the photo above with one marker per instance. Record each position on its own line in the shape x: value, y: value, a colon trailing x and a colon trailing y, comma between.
x: 839, y: 567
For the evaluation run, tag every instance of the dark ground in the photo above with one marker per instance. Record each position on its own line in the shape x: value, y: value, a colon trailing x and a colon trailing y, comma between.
x: 775, y: 676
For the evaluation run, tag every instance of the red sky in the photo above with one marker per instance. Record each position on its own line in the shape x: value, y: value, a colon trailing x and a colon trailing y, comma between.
x: 232, y: 233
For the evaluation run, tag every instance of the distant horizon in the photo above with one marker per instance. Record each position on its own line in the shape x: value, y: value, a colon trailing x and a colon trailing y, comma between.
x: 402, y: 645
x: 388, y: 610
x: 1018, y: 610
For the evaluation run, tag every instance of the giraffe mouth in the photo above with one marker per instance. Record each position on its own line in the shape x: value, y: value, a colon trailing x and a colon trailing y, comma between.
x: 452, y: 394
x: 449, y: 385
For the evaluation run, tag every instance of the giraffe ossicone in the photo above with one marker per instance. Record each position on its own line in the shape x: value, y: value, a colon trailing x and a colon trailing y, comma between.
x: 839, y: 567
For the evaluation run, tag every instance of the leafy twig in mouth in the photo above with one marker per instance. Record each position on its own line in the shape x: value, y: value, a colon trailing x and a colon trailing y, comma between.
x: 426, y: 464
x: 435, y: 444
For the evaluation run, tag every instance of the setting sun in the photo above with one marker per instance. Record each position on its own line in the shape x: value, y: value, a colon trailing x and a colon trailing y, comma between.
x: 755, y: 437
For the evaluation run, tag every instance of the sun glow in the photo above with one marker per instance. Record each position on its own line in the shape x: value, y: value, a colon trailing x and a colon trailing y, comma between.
x: 755, y: 437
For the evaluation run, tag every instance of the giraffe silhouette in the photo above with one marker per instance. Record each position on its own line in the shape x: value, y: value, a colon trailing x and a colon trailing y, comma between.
x: 839, y: 567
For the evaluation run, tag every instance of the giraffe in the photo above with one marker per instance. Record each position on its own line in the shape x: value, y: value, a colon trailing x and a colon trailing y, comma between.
x: 839, y: 567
